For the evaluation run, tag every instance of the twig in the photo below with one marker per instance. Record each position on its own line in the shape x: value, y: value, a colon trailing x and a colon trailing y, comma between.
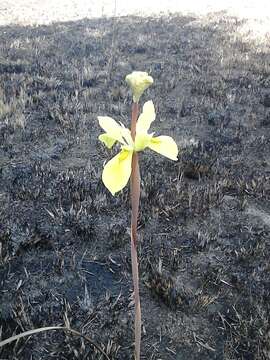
x: 48, y: 328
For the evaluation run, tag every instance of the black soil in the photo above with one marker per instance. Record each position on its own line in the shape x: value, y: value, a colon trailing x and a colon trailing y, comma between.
x: 204, y: 224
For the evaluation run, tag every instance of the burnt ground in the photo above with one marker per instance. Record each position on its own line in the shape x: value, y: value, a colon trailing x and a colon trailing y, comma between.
x: 204, y: 221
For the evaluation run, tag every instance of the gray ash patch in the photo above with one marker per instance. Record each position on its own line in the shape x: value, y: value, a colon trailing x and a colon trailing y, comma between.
x: 204, y: 220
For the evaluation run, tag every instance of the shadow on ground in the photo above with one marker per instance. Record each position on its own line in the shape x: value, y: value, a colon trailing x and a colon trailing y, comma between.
x: 204, y: 229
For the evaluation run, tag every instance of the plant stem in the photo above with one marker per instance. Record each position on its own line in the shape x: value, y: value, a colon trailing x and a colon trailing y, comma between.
x: 135, y: 199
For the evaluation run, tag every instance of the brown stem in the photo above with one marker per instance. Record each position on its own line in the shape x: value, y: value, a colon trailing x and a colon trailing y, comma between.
x: 134, y: 117
x: 135, y: 199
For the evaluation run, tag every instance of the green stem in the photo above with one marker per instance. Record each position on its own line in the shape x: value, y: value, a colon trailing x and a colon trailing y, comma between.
x: 135, y: 200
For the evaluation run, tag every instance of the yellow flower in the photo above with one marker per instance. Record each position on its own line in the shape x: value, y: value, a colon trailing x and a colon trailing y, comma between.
x: 117, y: 171
x: 138, y: 82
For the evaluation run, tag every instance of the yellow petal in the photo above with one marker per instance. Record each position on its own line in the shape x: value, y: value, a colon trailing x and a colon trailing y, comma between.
x: 164, y: 145
x: 111, y: 127
x: 126, y: 134
x: 142, y: 140
x: 107, y: 140
x: 147, y: 116
x: 116, y: 172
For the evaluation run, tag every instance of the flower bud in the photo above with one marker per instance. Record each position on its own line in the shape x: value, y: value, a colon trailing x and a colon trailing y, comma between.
x: 138, y: 82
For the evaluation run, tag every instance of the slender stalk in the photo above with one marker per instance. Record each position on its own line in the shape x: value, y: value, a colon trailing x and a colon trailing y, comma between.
x: 134, y: 117
x: 135, y: 199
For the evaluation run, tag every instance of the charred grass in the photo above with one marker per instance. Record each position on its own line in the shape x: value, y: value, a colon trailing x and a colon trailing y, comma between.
x: 204, y: 221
